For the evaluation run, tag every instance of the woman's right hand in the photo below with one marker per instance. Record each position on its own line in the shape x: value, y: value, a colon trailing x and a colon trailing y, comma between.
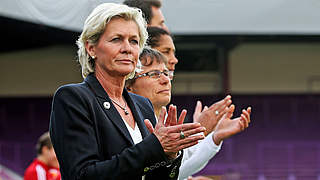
x: 207, y: 117
x: 168, y: 132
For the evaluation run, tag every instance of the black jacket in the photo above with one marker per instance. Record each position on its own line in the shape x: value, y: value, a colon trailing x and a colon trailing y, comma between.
x: 92, y: 142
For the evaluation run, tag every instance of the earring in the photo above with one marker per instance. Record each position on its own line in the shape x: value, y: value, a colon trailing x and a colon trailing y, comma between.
x: 93, y: 57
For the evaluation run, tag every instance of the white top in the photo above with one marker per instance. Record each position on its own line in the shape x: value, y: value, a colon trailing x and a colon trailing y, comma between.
x: 134, y: 133
x: 197, y: 157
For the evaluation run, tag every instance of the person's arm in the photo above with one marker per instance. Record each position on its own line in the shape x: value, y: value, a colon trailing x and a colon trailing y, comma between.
x: 74, y: 137
x: 225, y: 128
x: 197, y: 157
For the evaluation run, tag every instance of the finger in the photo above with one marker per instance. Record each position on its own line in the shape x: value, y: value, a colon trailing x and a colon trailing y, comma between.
x: 228, y: 100
x: 220, y: 108
x: 205, y: 108
x: 228, y: 114
x: 246, y: 114
x: 241, y: 124
x: 223, y: 108
x: 149, y: 125
x: 216, y: 105
x: 182, y: 116
x: 244, y: 120
x: 183, y: 127
x: 162, y: 115
x: 230, y: 111
x: 194, y: 131
x: 232, y: 108
x: 175, y: 138
x: 189, y: 140
x: 228, y: 103
x: 222, y: 111
x: 174, y: 117
x: 228, y: 97
x: 221, y: 103
x: 176, y: 145
x: 169, y: 117
x: 198, y: 107
x: 249, y: 111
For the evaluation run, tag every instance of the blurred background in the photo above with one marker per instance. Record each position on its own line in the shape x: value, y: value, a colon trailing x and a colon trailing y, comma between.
x: 266, y: 54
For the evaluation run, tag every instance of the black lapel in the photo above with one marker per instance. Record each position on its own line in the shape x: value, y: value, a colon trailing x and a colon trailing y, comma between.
x: 138, y: 116
x: 112, y: 112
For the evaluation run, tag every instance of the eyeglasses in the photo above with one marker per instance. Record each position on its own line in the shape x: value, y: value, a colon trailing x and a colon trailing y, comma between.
x: 156, y: 74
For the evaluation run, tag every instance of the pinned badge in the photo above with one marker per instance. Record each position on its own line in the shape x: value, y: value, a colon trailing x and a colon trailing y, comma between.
x: 106, y: 105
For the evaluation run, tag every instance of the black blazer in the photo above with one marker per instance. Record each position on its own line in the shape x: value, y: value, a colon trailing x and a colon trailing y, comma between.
x: 92, y: 142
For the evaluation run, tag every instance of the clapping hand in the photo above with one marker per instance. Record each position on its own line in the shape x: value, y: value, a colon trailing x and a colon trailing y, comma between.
x: 172, y: 134
x: 210, y: 116
x: 227, y: 127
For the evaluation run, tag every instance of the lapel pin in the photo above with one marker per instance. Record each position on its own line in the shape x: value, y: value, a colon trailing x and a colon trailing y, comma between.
x: 106, y: 105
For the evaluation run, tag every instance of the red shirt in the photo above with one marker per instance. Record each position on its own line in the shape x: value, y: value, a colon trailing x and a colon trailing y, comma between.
x: 37, y: 170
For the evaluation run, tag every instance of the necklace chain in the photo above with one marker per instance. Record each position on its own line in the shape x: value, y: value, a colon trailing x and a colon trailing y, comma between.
x: 123, y: 108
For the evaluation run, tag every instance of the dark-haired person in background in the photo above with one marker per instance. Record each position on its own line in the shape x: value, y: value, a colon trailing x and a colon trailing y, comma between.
x: 45, y: 166
x: 162, y: 41
x: 151, y: 11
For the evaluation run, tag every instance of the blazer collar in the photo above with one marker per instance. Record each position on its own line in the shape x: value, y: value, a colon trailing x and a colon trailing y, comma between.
x: 112, y: 112
x: 96, y: 86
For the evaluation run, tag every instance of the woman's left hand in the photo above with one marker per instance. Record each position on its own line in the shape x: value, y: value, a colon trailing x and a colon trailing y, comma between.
x: 228, y: 127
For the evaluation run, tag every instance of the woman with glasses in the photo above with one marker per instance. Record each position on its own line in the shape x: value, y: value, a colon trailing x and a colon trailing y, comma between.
x: 154, y: 83
x: 98, y: 129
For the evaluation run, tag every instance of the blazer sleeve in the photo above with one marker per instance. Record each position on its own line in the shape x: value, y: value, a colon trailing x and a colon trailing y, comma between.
x: 74, y: 137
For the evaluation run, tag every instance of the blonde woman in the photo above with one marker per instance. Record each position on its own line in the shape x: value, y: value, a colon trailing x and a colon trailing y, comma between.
x: 97, y: 128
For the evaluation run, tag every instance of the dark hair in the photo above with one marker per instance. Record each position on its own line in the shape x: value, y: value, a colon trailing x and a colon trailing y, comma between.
x: 147, y: 57
x: 44, y: 140
x: 145, y: 6
x: 155, y: 34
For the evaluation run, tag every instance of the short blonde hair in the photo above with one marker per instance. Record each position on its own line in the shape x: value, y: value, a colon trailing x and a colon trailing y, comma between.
x: 95, y: 25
